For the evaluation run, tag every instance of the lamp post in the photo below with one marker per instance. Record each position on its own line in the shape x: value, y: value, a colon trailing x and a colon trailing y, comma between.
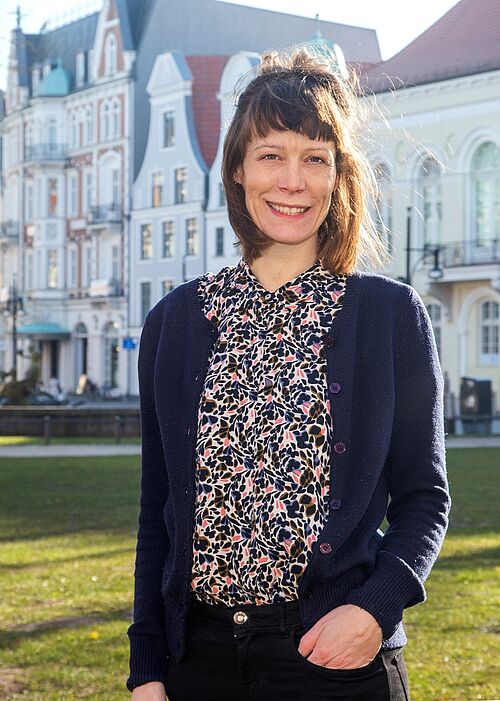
x: 14, y: 305
x: 436, y: 273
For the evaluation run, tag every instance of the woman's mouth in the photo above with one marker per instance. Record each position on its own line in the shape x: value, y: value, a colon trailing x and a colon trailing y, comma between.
x: 287, y: 210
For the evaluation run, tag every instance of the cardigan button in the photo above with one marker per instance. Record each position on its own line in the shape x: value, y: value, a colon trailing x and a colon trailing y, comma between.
x: 327, y: 340
x: 308, y: 594
x: 339, y: 447
x: 325, y: 548
x: 335, y: 387
x: 336, y: 504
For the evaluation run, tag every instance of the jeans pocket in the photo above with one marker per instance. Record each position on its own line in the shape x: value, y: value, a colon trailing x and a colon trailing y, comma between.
x: 356, y: 673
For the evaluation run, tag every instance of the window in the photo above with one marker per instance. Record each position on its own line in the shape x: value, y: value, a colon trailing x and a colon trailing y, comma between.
x: 72, y: 195
x: 168, y: 129
x: 29, y: 270
x: 80, y: 69
x: 435, y: 317
x: 87, y: 135
x: 87, y: 266
x: 486, y: 193
x: 115, y: 186
x: 106, y: 121
x: 51, y: 232
x: 87, y: 192
x: 115, y: 118
x: 219, y: 241
x: 180, y: 192
x: 72, y: 268
x: 115, y: 263
x: 90, y: 67
x: 222, y: 196
x: 429, y: 189
x: 168, y: 239
x: 383, y: 204
x: 52, y: 196
x: 191, y: 237
x: 73, y: 130
x: 146, y: 241
x: 490, y: 333
x: 29, y: 201
x: 157, y: 190
x: 145, y: 300
x: 166, y: 286
x: 52, y: 271
x: 52, y: 132
x: 110, y: 54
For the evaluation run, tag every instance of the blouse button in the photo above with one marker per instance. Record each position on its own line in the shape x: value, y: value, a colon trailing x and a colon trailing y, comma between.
x: 335, y: 387
x: 325, y: 548
x: 339, y: 447
x: 336, y: 504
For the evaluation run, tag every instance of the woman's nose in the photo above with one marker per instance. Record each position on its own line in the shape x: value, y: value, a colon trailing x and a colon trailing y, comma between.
x: 292, y: 177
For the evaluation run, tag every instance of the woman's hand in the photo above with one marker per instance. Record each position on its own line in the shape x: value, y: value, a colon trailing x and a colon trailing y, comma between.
x: 346, y: 638
x: 152, y: 691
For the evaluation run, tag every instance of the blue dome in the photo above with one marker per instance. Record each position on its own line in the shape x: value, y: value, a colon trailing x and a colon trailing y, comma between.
x: 56, y: 83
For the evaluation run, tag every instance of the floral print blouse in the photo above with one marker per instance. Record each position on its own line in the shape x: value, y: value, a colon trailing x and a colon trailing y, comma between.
x: 264, y: 425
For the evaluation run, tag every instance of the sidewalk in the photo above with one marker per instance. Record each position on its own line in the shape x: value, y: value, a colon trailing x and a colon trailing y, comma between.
x: 88, y: 449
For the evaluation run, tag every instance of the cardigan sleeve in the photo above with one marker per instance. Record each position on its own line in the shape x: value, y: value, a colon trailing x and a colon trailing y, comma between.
x: 416, y: 467
x: 148, y: 648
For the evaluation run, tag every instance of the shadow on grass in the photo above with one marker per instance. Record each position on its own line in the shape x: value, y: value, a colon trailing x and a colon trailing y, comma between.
x: 51, y: 497
x: 478, y: 558
x: 10, y: 639
x: 75, y: 558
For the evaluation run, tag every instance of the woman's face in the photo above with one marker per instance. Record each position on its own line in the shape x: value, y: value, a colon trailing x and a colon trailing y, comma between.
x: 288, y: 181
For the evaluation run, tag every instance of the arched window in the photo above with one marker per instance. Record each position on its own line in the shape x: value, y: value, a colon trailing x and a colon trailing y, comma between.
x: 485, y: 173
x: 430, y: 203
x: 490, y: 332
x: 110, y: 54
x: 383, y: 209
x: 434, y: 310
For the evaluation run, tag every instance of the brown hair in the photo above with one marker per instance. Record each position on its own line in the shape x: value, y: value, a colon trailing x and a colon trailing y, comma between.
x: 301, y: 92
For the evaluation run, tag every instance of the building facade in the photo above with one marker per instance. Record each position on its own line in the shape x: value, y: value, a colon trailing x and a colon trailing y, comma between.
x: 436, y: 126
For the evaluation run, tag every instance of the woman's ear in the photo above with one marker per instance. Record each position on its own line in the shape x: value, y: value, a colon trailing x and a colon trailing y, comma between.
x: 237, y: 176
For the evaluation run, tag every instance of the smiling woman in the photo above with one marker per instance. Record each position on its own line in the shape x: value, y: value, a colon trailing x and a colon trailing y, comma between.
x: 289, y: 404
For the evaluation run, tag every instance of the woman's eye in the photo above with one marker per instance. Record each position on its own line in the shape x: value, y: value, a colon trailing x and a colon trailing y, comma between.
x: 317, y: 159
x: 269, y: 156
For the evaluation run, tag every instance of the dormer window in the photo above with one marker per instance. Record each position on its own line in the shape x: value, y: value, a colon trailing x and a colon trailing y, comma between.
x: 80, y: 69
x: 110, y: 54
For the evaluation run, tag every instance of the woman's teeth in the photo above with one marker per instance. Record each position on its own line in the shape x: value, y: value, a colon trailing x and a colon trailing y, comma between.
x: 288, y: 210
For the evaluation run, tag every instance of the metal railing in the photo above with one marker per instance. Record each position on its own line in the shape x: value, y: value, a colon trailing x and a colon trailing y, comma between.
x: 452, y: 255
x: 45, y: 152
x: 45, y: 425
x: 105, y: 213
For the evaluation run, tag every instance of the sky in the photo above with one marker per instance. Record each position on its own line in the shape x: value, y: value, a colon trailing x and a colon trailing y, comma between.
x: 397, y: 22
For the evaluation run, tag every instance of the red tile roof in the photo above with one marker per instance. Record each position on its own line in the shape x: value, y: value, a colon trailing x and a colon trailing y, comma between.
x: 465, y: 41
x: 207, y: 71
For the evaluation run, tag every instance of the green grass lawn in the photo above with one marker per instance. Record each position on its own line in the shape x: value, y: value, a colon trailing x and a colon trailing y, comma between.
x: 67, y: 527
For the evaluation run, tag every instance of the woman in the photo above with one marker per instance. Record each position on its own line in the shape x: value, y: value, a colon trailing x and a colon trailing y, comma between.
x: 283, y: 401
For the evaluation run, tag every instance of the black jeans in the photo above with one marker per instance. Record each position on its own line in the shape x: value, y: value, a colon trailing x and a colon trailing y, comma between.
x: 252, y: 656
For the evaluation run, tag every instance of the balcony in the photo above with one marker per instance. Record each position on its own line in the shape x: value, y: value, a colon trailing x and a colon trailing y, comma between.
x: 9, y: 232
x: 105, y: 287
x: 46, y: 152
x: 105, y: 214
x: 464, y: 261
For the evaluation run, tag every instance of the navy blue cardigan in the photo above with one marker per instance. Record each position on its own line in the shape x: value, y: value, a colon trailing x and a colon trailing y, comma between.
x: 388, y: 442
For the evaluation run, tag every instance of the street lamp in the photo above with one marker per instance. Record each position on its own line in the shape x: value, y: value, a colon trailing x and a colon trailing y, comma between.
x: 436, y: 272
x: 12, y: 306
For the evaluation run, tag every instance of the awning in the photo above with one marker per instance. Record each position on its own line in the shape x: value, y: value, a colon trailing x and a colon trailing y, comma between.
x: 43, y: 332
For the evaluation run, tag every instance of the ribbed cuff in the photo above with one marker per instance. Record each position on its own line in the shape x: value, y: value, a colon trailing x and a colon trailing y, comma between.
x: 148, y: 660
x: 391, y: 588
